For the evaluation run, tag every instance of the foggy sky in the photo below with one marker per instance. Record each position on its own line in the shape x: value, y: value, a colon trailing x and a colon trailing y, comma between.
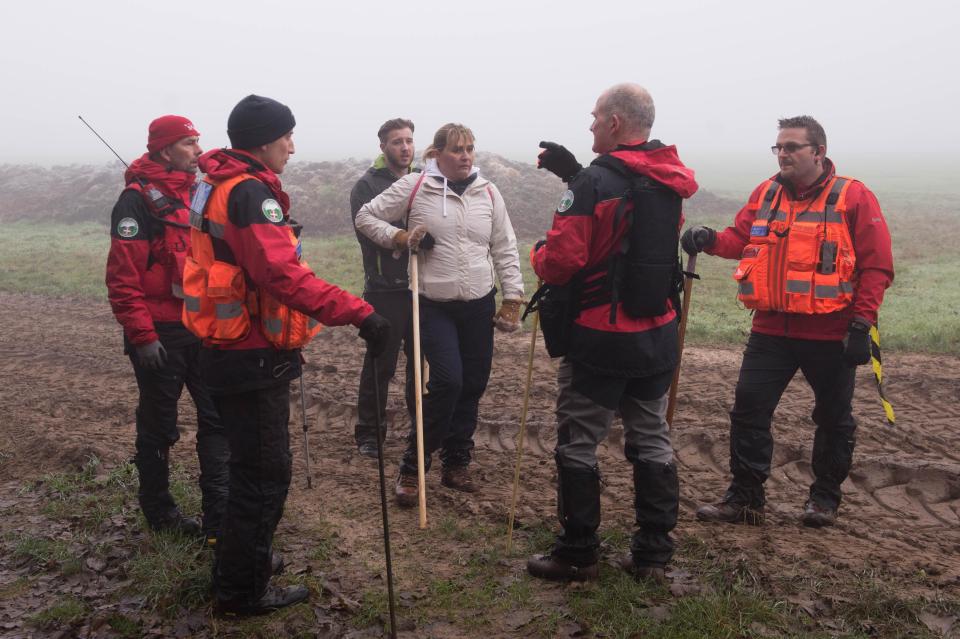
x: 880, y: 76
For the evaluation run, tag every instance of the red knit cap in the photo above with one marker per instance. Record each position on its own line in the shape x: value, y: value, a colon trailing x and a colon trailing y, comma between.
x: 167, y: 129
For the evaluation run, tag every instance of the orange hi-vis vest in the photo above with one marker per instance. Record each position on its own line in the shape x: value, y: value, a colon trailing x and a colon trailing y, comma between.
x: 218, y: 303
x: 800, y: 258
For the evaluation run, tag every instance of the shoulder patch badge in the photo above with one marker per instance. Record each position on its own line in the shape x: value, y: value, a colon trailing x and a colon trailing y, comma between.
x: 272, y: 211
x: 128, y: 227
x: 566, y: 201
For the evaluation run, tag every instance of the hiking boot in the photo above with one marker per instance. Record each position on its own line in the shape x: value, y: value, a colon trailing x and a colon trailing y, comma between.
x: 654, y: 575
x: 458, y: 478
x: 274, y: 598
x: 731, y: 513
x: 407, y: 490
x: 817, y: 516
x: 276, y: 563
x: 367, y: 449
x: 176, y: 521
x: 556, y: 568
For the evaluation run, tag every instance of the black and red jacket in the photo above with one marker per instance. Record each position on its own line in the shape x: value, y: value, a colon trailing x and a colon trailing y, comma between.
x: 145, y: 261
x: 583, y: 238
x: 871, y: 244
x: 261, y: 246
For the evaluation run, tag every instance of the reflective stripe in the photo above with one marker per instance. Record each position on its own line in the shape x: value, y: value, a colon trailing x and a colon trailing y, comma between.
x: 834, y: 195
x: 798, y: 286
x: 781, y: 216
x: 191, y: 303
x: 823, y: 291
x: 311, y: 323
x: 176, y: 289
x: 273, y: 325
x: 745, y: 288
x: 846, y: 287
x: 764, y: 209
x: 229, y: 310
x: 828, y: 215
x: 216, y: 229
x: 196, y: 220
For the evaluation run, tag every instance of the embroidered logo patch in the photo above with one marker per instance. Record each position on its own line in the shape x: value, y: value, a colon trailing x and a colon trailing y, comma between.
x: 271, y: 210
x: 566, y: 201
x: 128, y: 227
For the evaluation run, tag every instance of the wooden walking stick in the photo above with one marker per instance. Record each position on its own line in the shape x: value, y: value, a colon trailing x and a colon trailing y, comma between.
x: 690, y: 275
x: 418, y: 387
x: 522, y: 435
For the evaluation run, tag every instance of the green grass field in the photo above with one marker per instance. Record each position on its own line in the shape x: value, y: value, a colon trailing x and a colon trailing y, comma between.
x: 921, y: 311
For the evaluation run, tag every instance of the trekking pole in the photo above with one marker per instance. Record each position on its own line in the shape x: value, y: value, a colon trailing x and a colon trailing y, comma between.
x: 303, y: 416
x: 689, y: 275
x: 383, y: 502
x: 522, y: 435
x: 418, y: 383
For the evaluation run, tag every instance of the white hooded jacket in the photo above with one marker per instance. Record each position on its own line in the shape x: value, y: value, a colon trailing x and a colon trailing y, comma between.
x: 473, y: 233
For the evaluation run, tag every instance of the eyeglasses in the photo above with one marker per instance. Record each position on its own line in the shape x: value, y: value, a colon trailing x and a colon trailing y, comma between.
x: 789, y: 147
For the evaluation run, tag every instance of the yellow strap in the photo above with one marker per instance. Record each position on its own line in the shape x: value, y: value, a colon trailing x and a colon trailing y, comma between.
x: 878, y: 373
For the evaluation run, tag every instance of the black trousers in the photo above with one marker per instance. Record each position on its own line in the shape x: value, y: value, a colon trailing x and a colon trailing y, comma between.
x: 398, y: 309
x: 260, y: 469
x: 769, y: 363
x: 157, y: 431
x: 457, y: 340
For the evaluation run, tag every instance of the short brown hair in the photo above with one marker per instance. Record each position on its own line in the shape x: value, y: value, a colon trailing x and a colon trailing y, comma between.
x: 393, y: 125
x: 449, y: 133
x: 815, y: 132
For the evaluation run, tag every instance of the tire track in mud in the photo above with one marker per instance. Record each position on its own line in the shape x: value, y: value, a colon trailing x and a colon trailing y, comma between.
x: 69, y: 391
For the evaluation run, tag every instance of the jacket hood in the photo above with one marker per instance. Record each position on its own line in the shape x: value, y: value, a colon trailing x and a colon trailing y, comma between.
x: 171, y: 182
x: 829, y: 170
x: 223, y: 164
x: 381, y: 163
x: 432, y: 169
x: 659, y: 162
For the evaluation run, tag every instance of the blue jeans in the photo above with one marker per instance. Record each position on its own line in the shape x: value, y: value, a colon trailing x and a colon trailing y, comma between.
x: 457, y: 341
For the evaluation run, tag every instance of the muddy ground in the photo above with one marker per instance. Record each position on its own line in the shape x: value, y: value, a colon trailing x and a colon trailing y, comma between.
x: 67, y: 392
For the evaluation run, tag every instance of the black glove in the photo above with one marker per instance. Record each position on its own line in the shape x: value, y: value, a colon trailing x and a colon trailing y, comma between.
x: 152, y: 356
x: 558, y: 160
x: 427, y: 242
x: 856, y: 345
x: 697, y: 238
x: 376, y: 331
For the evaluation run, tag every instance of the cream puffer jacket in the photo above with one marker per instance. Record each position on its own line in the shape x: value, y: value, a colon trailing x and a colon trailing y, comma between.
x: 473, y: 233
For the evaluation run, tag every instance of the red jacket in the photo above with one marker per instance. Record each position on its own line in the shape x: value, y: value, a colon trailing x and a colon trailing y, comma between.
x: 874, y: 261
x: 261, y: 247
x: 145, y: 261
x: 583, y: 237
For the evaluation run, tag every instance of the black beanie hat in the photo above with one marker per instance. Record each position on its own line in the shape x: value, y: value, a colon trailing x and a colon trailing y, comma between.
x: 257, y: 120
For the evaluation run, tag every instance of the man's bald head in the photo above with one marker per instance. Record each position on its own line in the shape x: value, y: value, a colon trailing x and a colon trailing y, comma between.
x: 624, y: 113
x: 632, y: 104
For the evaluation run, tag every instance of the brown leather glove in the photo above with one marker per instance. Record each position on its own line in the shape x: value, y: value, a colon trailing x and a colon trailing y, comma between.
x: 400, y: 240
x: 507, y: 318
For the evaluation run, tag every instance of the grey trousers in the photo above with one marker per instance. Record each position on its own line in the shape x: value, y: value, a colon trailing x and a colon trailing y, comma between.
x: 583, y: 422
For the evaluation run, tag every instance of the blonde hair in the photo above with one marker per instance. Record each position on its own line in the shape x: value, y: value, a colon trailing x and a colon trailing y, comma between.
x: 450, y: 133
